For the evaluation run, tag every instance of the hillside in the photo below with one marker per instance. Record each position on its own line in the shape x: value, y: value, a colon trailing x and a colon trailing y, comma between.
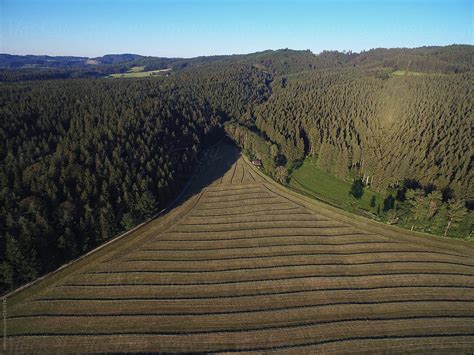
x: 447, y: 60
x: 406, y: 126
x: 85, y: 159
x: 242, y: 264
x: 9, y: 61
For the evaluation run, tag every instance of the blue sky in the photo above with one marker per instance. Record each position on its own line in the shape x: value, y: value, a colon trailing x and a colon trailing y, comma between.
x: 191, y: 28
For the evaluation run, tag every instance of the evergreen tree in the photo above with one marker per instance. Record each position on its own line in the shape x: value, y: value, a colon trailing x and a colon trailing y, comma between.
x: 420, y: 208
x: 357, y: 189
x: 147, y: 205
x: 388, y: 203
x: 128, y: 221
x: 455, y: 213
x: 372, y: 201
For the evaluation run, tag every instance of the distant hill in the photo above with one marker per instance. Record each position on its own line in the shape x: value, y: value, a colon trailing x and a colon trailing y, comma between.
x: 9, y: 61
x: 117, y: 58
x: 447, y: 59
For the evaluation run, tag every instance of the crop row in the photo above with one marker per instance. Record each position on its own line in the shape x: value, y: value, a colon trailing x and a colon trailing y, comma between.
x: 245, y: 289
x: 448, y: 342
x: 254, y: 303
x: 254, y: 212
x: 260, y: 245
x: 341, y: 237
x: 283, y: 217
x: 411, y: 320
x: 277, y: 261
x: 437, y: 306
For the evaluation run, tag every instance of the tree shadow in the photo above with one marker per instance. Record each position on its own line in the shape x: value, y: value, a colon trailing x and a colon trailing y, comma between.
x: 213, y: 164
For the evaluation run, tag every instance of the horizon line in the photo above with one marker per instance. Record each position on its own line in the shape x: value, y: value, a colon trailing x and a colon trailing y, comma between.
x: 247, y: 53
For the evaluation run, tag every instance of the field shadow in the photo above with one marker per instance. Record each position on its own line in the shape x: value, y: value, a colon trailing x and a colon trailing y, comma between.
x: 213, y: 164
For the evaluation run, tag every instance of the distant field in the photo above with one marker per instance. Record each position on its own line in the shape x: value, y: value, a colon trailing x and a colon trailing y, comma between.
x: 312, y: 179
x: 137, y: 72
x: 136, y: 69
x: 404, y: 72
x: 244, y: 264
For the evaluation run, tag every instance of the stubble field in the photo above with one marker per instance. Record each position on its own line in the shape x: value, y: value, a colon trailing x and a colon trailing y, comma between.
x: 243, y: 265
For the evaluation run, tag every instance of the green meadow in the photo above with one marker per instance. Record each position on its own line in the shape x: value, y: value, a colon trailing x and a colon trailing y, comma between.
x: 138, y: 72
x: 314, y: 181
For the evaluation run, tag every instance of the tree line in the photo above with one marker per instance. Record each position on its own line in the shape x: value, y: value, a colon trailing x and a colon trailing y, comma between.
x: 421, y: 208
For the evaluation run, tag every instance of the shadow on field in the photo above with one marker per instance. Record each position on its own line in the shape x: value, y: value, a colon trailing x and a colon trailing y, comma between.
x: 213, y: 165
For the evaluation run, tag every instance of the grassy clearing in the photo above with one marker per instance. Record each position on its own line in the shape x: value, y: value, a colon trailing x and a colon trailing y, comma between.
x: 310, y: 178
x: 405, y: 72
x: 399, y: 73
x: 136, y: 69
x: 137, y: 72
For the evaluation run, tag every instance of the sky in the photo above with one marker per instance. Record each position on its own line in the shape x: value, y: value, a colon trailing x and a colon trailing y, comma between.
x: 178, y: 28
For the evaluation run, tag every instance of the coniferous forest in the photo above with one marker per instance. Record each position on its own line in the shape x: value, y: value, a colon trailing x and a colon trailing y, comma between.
x: 85, y: 157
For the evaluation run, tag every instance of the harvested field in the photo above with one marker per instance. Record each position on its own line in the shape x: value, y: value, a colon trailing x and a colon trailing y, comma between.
x: 244, y: 265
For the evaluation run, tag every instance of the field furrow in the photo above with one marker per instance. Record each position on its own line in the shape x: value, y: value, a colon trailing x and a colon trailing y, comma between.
x: 258, y: 339
x: 283, y: 261
x: 246, y: 268
x: 259, y: 303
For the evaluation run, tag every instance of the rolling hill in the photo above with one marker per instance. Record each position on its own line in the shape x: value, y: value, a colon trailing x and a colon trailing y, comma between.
x: 10, y: 61
x: 242, y: 264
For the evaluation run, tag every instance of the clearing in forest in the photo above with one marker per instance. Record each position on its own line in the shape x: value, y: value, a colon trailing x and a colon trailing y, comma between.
x: 137, y: 72
x: 245, y: 265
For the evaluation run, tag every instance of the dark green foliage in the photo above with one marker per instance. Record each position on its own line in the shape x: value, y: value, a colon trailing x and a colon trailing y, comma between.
x: 84, y: 159
x: 146, y: 205
x: 385, y: 130
x: 388, y: 203
x: 454, y: 214
x: 257, y: 146
x: 426, y: 211
x: 372, y: 201
x: 357, y: 189
x: 128, y: 221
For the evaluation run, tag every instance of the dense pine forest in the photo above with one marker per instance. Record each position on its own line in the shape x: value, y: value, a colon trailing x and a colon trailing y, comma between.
x: 86, y: 157
x: 386, y: 130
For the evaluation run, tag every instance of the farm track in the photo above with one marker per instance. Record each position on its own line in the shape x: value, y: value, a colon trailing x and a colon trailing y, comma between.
x: 245, y: 267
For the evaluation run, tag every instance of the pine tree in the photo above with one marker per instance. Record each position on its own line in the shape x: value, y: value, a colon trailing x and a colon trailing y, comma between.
x: 420, y: 208
x: 388, y: 203
x: 128, y: 222
x: 147, y: 205
x: 357, y: 189
x: 372, y: 201
x: 455, y: 213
